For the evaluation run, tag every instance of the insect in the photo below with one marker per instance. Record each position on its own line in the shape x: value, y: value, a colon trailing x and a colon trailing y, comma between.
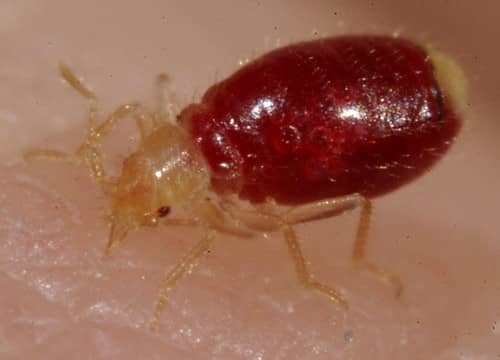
x: 304, y: 132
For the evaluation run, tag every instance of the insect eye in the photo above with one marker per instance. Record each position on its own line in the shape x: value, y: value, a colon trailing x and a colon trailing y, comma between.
x: 163, y: 211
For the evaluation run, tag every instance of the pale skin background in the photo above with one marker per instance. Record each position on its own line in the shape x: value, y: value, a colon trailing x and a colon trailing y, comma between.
x: 60, y: 298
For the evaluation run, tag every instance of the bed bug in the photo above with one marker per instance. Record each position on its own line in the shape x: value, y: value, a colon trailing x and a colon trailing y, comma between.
x: 304, y: 132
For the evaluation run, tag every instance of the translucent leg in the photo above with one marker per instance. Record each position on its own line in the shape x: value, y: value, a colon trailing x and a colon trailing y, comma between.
x: 322, y: 209
x: 180, y: 222
x: 49, y: 154
x: 264, y: 221
x: 303, y: 273
x: 142, y: 123
x: 334, y: 206
x: 76, y: 84
x: 179, y: 271
x: 270, y: 218
x: 218, y: 219
x: 359, y: 250
x: 89, y: 151
x: 96, y: 134
x: 167, y: 104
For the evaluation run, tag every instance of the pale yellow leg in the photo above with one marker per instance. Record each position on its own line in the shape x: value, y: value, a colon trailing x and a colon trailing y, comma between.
x: 177, y: 272
x: 143, y: 123
x: 322, y: 209
x: 179, y: 222
x: 267, y: 221
x: 358, y: 254
x: 89, y: 151
x: 49, y: 154
x: 217, y: 218
x: 97, y: 133
x: 303, y: 273
x: 166, y: 102
x: 256, y: 221
x: 260, y: 221
x: 76, y: 84
x: 72, y: 80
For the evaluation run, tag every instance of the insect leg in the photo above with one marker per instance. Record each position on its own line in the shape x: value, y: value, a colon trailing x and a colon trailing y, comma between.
x: 166, y: 102
x: 49, y: 154
x: 218, y: 219
x: 96, y: 131
x: 68, y: 75
x: 254, y: 220
x: 303, y: 272
x: 93, y: 159
x: 76, y: 84
x: 143, y: 123
x: 261, y: 221
x: 96, y: 134
x: 179, y: 222
x: 177, y: 272
x: 89, y: 151
x: 269, y: 217
x: 334, y: 206
x: 359, y: 250
x: 322, y: 209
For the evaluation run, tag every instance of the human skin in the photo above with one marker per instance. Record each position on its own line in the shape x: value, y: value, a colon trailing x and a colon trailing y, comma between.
x: 61, y: 297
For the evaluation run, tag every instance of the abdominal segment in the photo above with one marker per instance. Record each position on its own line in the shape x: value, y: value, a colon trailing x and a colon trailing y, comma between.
x: 324, y: 118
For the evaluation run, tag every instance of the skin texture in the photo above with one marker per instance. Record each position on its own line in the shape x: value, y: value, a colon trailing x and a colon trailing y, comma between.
x: 60, y: 296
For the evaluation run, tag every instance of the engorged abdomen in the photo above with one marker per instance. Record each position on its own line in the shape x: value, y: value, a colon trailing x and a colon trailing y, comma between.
x: 324, y: 118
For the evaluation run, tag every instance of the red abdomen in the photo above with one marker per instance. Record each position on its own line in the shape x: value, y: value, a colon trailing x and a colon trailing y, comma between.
x: 324, y: 118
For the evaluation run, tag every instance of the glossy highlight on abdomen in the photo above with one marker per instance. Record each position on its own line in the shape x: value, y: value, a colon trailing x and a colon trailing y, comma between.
x: 324, y: 118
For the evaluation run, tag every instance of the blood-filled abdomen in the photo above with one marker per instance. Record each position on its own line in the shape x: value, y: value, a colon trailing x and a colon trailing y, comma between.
x: 324, y: 118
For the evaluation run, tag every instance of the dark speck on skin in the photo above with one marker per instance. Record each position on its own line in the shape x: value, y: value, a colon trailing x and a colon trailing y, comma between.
x: 348, y: 336
x: 163, y: 211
